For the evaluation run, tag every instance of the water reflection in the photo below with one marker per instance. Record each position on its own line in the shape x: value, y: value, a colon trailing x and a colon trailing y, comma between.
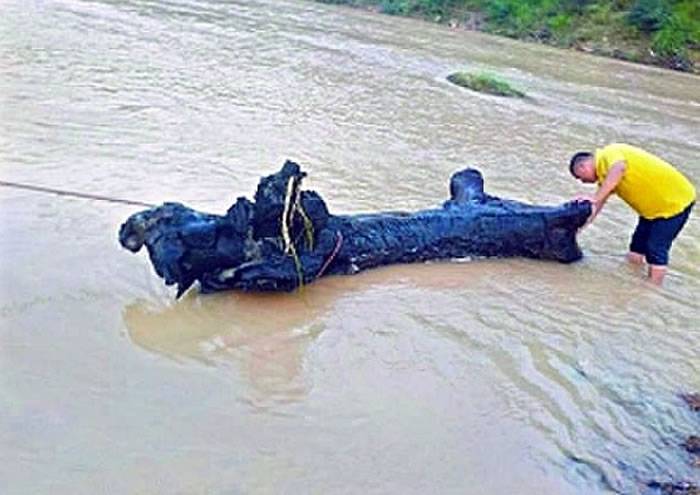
x: 268, y: 335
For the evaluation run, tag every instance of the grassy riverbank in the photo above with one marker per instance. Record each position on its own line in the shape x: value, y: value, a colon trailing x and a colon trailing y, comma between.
x: 659, y: 32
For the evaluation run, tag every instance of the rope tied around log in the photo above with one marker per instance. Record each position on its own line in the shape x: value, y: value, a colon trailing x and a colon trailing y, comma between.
x: 331, y: 257
x: 74, y: 194
x: 292, y: 206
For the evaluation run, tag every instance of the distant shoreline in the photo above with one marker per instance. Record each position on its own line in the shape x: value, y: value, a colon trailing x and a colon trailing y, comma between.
x: 630, y: 50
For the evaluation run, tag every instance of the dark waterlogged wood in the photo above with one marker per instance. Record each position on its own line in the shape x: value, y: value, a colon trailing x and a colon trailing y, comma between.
x: 690, y: 445
x: 286, y: 237
x: 693, y: 401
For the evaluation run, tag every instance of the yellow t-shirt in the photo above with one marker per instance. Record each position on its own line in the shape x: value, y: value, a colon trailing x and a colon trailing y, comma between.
x: 651, y: 186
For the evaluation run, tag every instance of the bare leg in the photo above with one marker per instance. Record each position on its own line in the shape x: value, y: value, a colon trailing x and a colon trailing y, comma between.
x: 657, y: 273
x: 635, y: 258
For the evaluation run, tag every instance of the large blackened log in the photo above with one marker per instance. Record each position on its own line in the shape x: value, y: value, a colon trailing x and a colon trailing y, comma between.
x: 246, y: 250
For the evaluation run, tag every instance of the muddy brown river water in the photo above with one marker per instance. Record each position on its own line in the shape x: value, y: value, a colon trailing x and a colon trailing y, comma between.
x: 482, y: 377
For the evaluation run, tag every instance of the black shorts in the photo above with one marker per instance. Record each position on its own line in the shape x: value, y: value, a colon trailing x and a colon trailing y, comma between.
x: 653, y: 238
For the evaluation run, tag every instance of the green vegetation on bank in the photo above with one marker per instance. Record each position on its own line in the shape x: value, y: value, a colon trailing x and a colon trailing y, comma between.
x: 484, y: 83
x: 661, y: 32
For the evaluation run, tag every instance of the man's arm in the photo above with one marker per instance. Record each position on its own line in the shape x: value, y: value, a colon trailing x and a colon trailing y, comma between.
x: 615, y: 174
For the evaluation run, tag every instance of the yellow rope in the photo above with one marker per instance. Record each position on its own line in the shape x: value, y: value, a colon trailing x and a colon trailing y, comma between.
x: 288, y: 245
x: 297, y: 264
x: 308, y: 224
x: 290, y: 207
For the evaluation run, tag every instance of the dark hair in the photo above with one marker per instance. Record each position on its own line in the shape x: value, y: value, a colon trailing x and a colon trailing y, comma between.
x: 578, y: 158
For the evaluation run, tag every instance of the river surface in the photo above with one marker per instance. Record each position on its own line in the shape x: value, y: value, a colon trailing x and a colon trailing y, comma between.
x: 482, y: 377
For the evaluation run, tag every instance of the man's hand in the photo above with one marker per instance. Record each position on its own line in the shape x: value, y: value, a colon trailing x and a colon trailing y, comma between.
x: 615, y: 174
x: 595, y: 207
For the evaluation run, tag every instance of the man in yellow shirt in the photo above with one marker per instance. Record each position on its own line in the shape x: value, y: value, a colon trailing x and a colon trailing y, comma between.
x: 659, y: 193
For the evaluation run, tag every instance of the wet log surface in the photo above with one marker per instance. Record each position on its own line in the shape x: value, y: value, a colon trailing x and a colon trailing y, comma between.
x: 286, y: 237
